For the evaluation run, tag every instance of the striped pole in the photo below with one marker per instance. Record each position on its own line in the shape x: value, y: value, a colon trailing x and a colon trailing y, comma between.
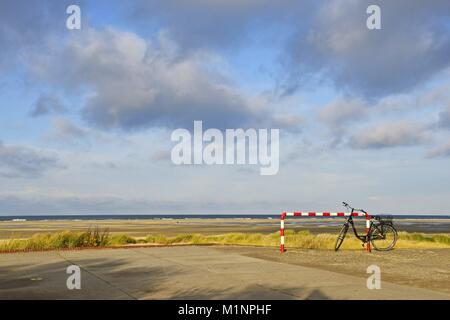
x: 368, y: 249
x: 320, y: 214
x: 323, y: 214
x: 283, y: 215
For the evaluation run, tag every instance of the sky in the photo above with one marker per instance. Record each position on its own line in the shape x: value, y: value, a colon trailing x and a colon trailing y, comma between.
x: 87, y: 115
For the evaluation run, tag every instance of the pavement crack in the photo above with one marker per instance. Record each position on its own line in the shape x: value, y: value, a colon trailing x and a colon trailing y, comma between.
x: 96, y: 276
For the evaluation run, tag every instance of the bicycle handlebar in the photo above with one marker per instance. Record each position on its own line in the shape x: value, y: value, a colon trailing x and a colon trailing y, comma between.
x: 345, y: 204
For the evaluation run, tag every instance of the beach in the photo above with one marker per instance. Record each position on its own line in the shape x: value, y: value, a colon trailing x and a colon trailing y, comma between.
x: 207, y: 226
x: 227, y: 271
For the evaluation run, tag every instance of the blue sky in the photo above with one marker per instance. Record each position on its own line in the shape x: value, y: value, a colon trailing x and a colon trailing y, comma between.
x: 86, y: 115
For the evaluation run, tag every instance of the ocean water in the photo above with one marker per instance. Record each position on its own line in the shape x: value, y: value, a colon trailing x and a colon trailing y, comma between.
x: 187, y: 216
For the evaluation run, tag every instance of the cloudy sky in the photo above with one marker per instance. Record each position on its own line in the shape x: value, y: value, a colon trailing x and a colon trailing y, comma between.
x: 86, y: 115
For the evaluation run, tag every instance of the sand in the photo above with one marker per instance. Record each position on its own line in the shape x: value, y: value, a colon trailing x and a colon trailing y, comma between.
x: 172, y: 227
x: 422, y: 268
x: 428, y: 269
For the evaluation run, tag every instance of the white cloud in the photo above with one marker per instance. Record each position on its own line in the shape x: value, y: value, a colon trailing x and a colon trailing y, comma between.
x: 444, y: 118
x: 387, y: 135
x: 24, y: 162
x: 47, y: 104
x: 66, y: 131
x: 410, y: 49
x: 442, y: 151
x: 343, y: 111
x: 136, y: 84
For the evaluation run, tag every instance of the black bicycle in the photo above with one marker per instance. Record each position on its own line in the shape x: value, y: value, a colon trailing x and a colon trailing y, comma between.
x: 382, y: 233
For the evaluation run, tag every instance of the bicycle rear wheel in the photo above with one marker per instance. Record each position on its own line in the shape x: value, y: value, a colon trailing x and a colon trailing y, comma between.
x: 341, y: 237
x: 383, y: 237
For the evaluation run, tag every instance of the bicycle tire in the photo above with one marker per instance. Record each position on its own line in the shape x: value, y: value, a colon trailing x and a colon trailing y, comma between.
x: 383, y: 237
x: 341, y: 237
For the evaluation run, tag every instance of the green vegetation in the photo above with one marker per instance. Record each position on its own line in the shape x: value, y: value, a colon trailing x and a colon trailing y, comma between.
x: 60, y: 240
x: 422, y: 237
x: 301, y: 239
x: 121, y: 239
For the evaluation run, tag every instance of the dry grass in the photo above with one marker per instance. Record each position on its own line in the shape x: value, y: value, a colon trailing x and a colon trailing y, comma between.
x: 60, y: 240
x: 301, y: 239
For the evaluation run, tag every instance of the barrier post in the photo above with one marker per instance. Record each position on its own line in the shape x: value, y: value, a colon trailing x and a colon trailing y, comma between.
x: 368, y: 249
x: 321, y: 214
x: 283, y: 215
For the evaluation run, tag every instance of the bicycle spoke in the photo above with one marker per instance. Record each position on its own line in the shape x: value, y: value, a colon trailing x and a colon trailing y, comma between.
x: 383, y: 237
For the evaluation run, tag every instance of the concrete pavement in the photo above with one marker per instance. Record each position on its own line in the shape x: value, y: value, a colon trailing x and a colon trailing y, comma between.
x: 190, y: 272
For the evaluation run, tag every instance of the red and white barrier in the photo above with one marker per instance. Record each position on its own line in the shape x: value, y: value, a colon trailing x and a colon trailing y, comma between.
x: 322, y: 214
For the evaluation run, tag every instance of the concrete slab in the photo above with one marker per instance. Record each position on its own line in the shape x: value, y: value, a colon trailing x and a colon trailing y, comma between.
x: 182, y: 273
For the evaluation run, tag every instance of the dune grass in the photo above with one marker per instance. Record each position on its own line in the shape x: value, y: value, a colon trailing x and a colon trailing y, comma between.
x: 60, y: 240
x: 301, y: 239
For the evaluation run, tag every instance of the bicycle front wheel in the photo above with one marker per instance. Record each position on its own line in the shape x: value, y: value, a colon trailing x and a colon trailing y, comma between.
x: 383, y: 237
x: 341, y: 237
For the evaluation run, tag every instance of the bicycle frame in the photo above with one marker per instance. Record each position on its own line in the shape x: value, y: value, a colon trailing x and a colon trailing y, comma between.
x: 364, y: 238
x: 372, y: 228
x: 371, y: 225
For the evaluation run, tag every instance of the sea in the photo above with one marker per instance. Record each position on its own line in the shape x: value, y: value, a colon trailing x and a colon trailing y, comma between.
x: 186, y: 216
